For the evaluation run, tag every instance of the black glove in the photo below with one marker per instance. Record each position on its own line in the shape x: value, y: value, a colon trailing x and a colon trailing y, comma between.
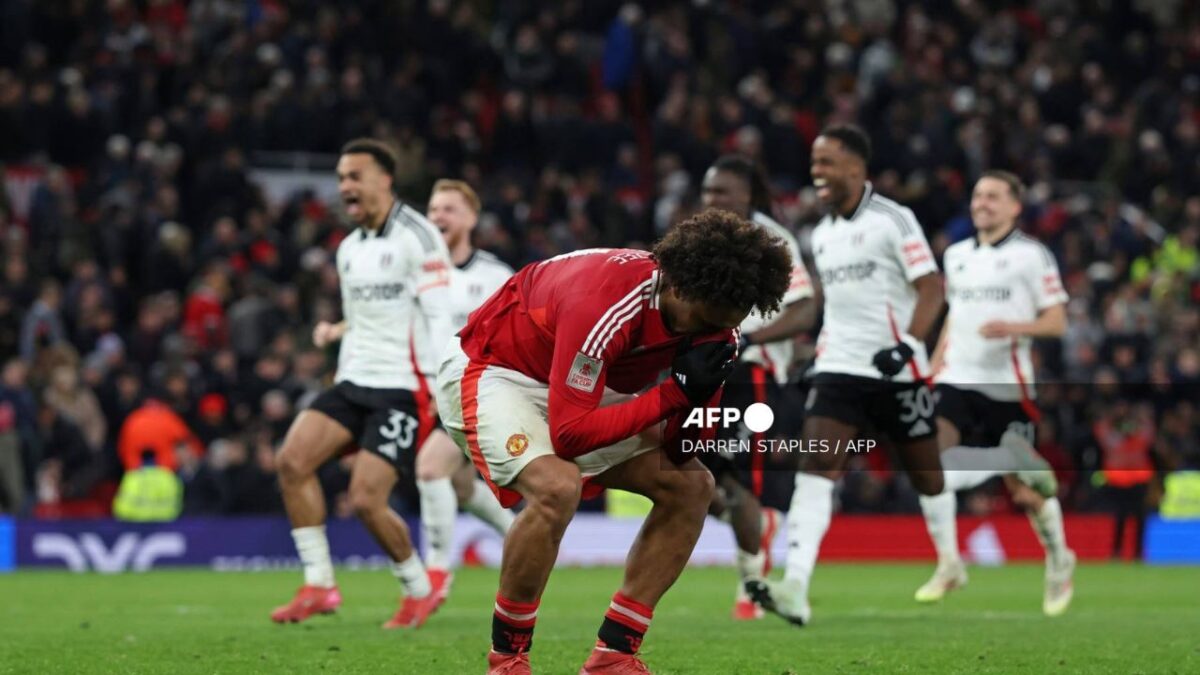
x: 891, y: 361
x: 701, y: 370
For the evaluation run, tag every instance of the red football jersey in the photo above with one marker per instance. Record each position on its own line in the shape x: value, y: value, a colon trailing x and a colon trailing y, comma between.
x: 581, y: 322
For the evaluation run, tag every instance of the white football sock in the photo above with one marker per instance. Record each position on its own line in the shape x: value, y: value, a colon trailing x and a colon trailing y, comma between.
x: 439, y: 508
x: 750, y: 565
x: 484, y: 506
x: 413, y: 577
x: 940, y: 520
x: 313, y: 547
x: 1048, y: 524
x: 807, y: 522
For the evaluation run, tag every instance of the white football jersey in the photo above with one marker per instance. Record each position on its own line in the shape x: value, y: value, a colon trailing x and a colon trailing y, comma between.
x: 470, y: 285
x: 1012, y: 280
x: 473, y: 282
x: 866, y: 264
x: 395, y: 285
x: 776, y: 357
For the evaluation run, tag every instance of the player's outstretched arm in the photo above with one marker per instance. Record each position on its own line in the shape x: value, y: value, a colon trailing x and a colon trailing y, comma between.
x: 795, y: 318
x: 1050, y: 323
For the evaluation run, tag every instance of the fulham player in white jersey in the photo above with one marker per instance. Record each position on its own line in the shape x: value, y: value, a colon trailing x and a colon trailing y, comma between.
x: 395, y: 281
x: 1004, y: 290
x: 753, y: 488
x: 445, y: 479
x: 882, y: 295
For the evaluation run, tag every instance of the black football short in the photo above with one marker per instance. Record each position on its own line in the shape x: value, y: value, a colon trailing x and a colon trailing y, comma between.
x: 769, y: 476
x: 389, y: 423
x: 901, y: 411
x: 980, y: 420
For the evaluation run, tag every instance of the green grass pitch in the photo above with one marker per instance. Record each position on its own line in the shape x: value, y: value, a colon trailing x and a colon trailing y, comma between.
x: 1126, y: 619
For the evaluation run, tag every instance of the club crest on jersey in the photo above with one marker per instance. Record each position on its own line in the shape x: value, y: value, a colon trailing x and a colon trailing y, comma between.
x: 516, y: 445
x: 585, y: 373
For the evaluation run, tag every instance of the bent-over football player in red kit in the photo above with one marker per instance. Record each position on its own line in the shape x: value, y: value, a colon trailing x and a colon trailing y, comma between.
x: 575, y: 377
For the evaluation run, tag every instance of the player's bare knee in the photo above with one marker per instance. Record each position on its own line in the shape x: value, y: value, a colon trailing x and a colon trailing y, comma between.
x: 704, y: 484
x: 428, y: 471
x: 685, y: 488
x: 556, y: 498
x: 293, y: 465
x: 367, y: 503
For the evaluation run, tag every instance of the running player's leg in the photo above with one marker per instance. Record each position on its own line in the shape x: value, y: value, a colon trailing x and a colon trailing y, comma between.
x: 808, y: 517
x: 681, y: 496
x: 371, y: 483
x: 437, y: 460
x: 940, y: 513
x: 922, y: 464
x: 960, y: 413
x: 392, y: 432
x: 745, y: 517
x: 1046, y: 518
x: 733, y: 503
x: 1002, y: 446
x: 739, y: 481
x: 313, y: 438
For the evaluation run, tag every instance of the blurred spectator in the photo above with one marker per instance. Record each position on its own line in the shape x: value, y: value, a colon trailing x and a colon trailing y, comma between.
x: 1125, y: 436
x: 69, y: 467
x: 10, y: 328
x: 212, y: 420
x: 253, y: 320
x: 78, y: 405
x: 204, y: 311
x: 12, y: 461
x: 156, y: 428
x: 43, y: 324
x: 148, y: 494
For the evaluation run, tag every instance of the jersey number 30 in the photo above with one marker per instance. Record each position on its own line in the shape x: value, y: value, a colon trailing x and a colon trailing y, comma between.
x: 915, y: 403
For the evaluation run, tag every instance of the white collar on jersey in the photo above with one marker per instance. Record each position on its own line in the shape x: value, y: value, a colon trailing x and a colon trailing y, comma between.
x: 999, y: 242
x: 387, y: 222
x: 470, y: 259
x: 868, y: 190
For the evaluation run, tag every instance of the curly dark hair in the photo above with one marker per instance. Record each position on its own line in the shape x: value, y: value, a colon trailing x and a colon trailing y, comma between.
x: 717, y: 257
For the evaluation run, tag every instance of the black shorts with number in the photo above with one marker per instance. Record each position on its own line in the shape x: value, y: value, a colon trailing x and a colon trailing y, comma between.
x: 390, y: 423
x: 768, y: 476
x: 901, y: 411
x: 981, y: 420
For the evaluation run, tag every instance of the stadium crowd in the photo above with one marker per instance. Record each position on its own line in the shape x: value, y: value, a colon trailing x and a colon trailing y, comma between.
x: 145, y: 270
